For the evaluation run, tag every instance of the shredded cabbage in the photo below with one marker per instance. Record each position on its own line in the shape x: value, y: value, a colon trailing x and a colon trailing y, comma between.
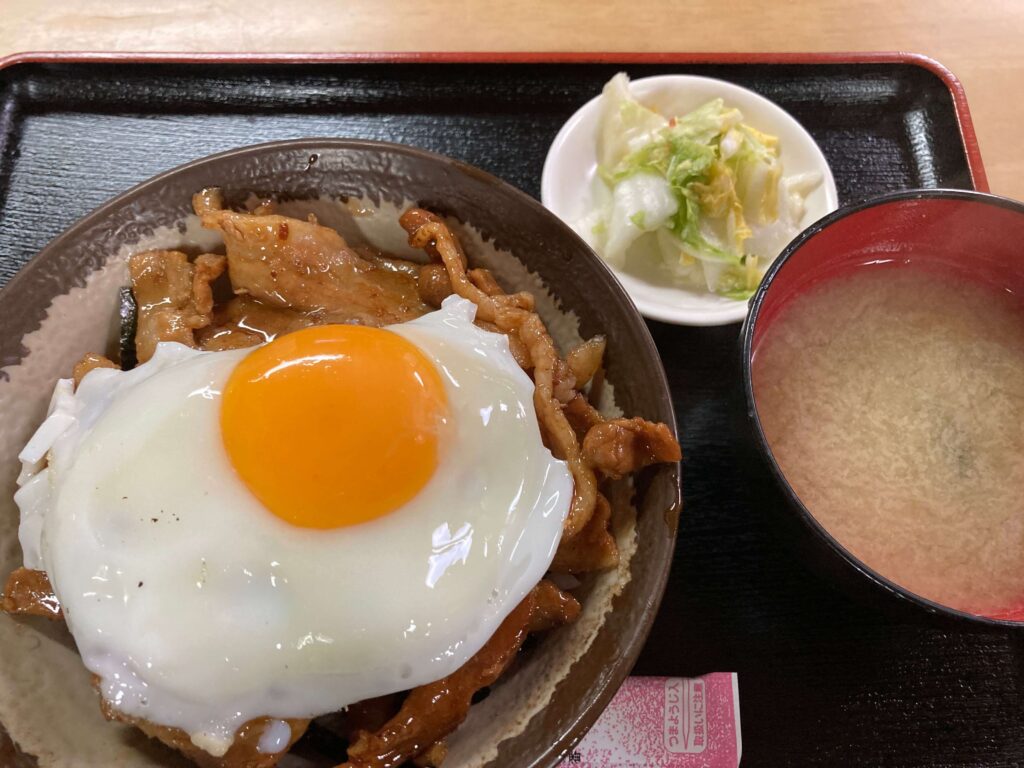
x: 709, y: 185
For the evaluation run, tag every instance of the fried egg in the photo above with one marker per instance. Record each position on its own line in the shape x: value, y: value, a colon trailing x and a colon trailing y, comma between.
x: 341, y: 513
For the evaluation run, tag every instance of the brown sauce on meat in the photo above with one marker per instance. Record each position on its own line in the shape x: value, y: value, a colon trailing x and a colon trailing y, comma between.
x: 243, y: 753
x: 29, y: 593
x: 432, y: 711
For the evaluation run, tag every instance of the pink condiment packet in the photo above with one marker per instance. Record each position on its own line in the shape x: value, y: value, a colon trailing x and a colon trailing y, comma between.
x: 667, y: 722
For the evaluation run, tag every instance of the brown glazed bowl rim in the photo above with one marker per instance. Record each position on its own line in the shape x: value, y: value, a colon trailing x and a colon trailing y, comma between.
x: 817, y: 530
x: 18, y: 318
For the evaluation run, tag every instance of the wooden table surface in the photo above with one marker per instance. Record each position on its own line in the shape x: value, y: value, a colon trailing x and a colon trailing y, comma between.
x: 981, y: 42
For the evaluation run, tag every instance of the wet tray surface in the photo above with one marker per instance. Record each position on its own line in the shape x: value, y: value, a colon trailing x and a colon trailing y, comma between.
x: 823, y: 680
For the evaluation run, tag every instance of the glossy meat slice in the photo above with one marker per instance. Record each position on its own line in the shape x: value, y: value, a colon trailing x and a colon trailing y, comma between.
x: 382, y: 260
x: 244, y: 752
x: 244, y: 322
x: 432, y: 711
x: 434, y: 284
x: 619, y: 447
x: 29, y: 593
x: 593, y: 548
x: 304, y: 266
x: 581, y: 414
x: 173, y: 295
x: 90, y: 362
x: 585, y: 359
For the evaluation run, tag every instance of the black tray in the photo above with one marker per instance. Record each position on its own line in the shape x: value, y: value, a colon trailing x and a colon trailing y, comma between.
x: 823, y: 680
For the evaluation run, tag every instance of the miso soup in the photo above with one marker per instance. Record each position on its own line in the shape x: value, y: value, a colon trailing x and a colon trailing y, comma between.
x: 893, y: 401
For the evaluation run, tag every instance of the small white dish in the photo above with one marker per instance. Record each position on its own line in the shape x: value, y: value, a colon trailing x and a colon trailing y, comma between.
x: 571, y: 167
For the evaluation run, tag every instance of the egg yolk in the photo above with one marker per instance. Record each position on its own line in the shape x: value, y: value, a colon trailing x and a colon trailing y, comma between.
x: 334, y: 425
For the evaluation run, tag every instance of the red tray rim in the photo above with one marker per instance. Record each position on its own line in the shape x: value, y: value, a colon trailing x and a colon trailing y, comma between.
x: 968, y: 136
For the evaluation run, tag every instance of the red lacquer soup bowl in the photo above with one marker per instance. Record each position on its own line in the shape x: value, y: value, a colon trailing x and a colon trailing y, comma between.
x: 970, y: 237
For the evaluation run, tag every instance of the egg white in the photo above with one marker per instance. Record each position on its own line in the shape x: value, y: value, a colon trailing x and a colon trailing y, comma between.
x: 199, y: 609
